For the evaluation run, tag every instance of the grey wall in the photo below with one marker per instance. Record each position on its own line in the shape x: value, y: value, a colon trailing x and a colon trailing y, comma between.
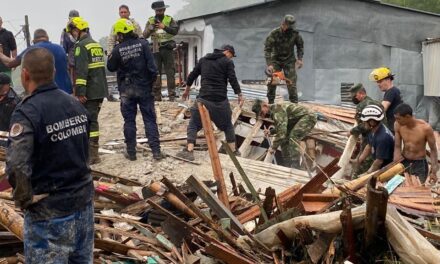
x: 344, y: 41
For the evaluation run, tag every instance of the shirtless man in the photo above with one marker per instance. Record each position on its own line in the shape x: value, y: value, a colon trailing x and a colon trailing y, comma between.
x: 414, y: 133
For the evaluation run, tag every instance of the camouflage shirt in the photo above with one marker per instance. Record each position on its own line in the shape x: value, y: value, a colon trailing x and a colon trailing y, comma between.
x: 359, y: 129
x: 285, y: 116
x: 279, y: 46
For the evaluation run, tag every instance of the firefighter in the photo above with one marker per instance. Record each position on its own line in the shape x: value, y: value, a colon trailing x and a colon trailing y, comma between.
x: 91, y: 83
x: 136, y: 71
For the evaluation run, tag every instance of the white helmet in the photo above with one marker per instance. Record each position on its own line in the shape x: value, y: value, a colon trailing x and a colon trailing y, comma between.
x: 372, y: 112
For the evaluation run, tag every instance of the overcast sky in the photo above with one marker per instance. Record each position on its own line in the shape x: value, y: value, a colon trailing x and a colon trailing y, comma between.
x: 52, y: 15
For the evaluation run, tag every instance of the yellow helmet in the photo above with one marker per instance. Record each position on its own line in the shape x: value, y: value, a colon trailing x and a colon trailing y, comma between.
x: 77, y: 22
x: 380, y: 74
x: 123, y: 26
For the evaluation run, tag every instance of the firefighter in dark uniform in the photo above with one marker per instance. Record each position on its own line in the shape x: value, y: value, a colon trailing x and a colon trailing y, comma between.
x: 136, y: 72
x: 91, y: 83
x: 53, y: 188
x: 8, y: 101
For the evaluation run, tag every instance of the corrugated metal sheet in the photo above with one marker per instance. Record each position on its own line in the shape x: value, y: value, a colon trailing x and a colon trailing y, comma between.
x: 431, y: 67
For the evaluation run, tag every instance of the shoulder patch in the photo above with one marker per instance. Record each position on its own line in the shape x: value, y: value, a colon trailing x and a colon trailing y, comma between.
x: 16, y: 130
x: 77, y: 51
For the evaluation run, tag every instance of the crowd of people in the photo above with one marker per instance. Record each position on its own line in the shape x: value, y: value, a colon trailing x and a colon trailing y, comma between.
x: 65, y: 86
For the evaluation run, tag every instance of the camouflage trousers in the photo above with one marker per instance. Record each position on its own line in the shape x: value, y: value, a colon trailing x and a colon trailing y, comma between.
x: 290, y: 73
x: 165, y: 58
x: 289, y: 147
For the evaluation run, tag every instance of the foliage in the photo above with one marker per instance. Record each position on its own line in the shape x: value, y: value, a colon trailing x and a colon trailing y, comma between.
x: 424, y: 5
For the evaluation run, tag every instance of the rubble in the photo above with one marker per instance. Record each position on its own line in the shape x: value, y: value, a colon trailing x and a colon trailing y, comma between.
x: 176, y: 211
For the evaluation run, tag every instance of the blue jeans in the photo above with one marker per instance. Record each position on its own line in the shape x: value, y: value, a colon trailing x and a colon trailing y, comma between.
x: 129, y: 111
x: 67, y: 239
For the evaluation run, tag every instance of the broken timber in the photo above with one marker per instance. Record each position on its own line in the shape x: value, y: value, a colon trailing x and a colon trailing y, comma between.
x: 213, y: 154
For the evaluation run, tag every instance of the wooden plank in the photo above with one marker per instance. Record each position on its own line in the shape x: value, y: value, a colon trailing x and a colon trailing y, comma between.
x: 245, y: 179
x: 313, y: 207
x: 225, y: 254
x: 314, y: 185
x: 214, y: 203
x: 213, y: 154
x: 112, y: 246
x: 245, y: 146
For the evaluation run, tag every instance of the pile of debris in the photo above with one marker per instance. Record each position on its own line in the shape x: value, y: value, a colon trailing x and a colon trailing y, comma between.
x: 314, y: 219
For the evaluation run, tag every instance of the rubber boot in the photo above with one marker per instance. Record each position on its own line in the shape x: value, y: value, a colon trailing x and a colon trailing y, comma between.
x: 93, y: 151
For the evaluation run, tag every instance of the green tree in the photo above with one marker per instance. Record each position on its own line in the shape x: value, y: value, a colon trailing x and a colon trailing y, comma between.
x: 424, y: 5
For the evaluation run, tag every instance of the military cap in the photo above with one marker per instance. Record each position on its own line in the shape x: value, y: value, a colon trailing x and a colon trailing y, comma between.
x: 356, y: 88
x: 289, y: 20
x: 4, y: 79
x: 256, y: 108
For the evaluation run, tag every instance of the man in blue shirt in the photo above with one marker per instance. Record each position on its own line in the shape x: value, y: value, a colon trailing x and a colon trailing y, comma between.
x: 41, y: 39
x: 380, y: 139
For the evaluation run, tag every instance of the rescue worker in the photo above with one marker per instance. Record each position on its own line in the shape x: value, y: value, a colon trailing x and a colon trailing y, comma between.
x: 67, y: 41
x: 162, y: 29
x: 124, y: 12
x: 46, y: 164
x: 292, y: 123
x: 391, y: 98
x: 380, y: 141
x: 8, y: 100
x: 216, y: 70
x: 91, y: 83
x: 361, y: 100
x: 136, y: 72
x: 280, y: 56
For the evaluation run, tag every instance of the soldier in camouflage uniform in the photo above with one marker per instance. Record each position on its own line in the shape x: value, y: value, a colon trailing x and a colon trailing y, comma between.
x: 292, y: 122
x: 361, y: 100
x: 279, y: 53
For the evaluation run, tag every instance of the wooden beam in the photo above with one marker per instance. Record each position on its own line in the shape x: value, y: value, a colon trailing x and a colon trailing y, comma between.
x: 214, y: 203
x: 246, y: 145
x: 213, y: 154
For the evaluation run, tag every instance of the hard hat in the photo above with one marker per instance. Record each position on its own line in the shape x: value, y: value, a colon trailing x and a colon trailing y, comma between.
x: 77, y: 22
x: 380, y: 74
x: 372, y: 112
x: 123, y: 26
x: 289, y: 20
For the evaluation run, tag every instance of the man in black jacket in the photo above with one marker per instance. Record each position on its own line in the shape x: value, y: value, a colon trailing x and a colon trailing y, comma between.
x: 47, y: 165
x: 136, y: 71
x: 216, y: 69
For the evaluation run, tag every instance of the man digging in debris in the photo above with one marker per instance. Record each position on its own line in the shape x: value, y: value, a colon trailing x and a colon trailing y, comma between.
x: 53, y: 188
x: 216, y: 69
x: 360, y: 98
x: 414, y: 133
x: 136, y: 73
x: 380, y: 140
x: 292, y: 123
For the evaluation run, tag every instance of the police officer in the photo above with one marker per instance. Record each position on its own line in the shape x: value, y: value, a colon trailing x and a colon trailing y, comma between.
x: 162, y: 28
x: 54, y: 190
x: 280, y: 56
x: 8, y: 100
x: 91, y: 83
x: 292, y: 122
x: 136, y: 73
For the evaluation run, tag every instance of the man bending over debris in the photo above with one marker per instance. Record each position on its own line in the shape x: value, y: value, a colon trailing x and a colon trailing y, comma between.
x: 8, y: 100
x: 216, y: 69
x: 292, y: 123
x: 136, y: 73
x: 53, y: 188
x: 380, y: 140
x: 414, y: 133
